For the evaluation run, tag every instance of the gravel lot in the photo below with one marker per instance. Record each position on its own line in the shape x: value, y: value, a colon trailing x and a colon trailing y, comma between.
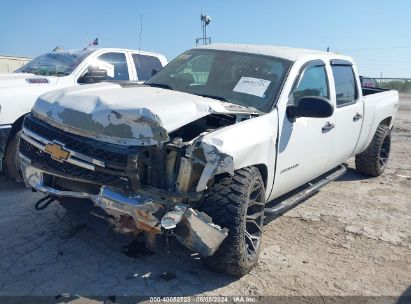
x: 353, y: 238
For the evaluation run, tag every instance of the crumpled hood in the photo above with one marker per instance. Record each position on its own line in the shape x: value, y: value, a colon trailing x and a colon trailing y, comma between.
x: 133, y: 115
x: 23, y: 80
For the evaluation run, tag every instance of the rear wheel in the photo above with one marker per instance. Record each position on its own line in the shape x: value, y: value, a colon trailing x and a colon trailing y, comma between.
x: 373, y: 160
x: 11, y: 159
x: 237, y: 203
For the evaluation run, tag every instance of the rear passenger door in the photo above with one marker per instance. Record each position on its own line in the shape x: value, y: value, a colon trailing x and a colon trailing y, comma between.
x: 146, y: 66
x: 348, y: 113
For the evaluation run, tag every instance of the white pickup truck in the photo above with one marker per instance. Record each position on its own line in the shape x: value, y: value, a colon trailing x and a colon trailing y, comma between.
x: 62, y: 69
x: 221, y: 137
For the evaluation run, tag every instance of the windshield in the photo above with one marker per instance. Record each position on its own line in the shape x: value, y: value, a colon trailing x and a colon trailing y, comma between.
x: 241, y: 78
x: 55, y: 63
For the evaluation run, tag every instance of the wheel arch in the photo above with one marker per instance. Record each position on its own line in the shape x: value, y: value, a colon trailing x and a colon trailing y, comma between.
x: 262, y: 168
x: 371, y: 162
x: 16, y: 127
x: 264, y: 173
x: 386, y: 121
x: 368, y: 131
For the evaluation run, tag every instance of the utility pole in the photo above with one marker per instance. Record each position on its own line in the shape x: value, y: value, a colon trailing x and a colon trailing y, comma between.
x: 205, y: 21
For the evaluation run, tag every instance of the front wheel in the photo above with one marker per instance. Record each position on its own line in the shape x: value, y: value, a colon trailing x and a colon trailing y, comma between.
x: 373, y: 160
x: 11, y: 159
x: 237, y: 203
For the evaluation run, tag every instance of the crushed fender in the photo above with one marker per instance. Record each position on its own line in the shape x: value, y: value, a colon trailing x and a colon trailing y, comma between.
x: 217, y: 163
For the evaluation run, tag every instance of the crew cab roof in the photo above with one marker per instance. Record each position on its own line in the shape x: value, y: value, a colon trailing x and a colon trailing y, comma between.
x: 126, y: 50
x: 292, y: 54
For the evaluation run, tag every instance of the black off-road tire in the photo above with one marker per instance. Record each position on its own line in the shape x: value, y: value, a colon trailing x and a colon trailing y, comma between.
x: 12, y: 168
x: 230, y: 205
x: 373, y: 160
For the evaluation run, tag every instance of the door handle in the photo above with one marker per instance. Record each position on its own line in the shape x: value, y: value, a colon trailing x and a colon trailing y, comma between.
x: 328, y: 126
x: 357, y: 116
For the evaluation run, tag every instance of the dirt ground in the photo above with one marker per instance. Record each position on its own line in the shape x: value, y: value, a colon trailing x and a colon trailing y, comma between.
x: 352, y: 238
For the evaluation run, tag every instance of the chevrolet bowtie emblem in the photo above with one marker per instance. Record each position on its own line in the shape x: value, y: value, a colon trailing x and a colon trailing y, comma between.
x: 57, y: 151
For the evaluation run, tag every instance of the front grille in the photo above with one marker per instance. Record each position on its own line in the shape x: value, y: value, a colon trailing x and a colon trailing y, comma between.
x: 97, y: 177
x: 112, y: 155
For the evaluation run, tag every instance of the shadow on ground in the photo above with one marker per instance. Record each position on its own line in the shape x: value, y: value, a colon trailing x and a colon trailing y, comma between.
x: 405, y: 297
x: 52, y: 252
x: 352, y: 175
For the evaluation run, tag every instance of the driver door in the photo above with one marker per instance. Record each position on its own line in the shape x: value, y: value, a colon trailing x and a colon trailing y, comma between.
x: 304, y: 144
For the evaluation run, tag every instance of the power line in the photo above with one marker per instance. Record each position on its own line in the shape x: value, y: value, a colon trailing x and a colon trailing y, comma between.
x: 384, y: 48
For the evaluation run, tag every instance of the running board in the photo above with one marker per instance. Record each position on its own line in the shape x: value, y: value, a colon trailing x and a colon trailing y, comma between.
x: 309, y: 190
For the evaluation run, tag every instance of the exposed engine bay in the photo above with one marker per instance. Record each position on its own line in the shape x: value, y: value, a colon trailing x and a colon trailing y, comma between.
x: 157, y: 188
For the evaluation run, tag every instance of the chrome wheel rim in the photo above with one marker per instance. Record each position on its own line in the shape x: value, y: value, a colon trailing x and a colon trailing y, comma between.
x: 384, y: 152
x: 254, y: 221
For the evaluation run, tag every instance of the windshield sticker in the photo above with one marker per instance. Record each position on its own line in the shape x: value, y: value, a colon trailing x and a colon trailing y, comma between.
x: 252, y: 86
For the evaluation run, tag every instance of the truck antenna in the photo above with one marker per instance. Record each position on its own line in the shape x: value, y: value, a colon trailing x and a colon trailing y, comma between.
x: 141, y: 32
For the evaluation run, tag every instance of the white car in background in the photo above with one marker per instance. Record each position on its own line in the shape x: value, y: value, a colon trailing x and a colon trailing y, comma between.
x: 62, y: 69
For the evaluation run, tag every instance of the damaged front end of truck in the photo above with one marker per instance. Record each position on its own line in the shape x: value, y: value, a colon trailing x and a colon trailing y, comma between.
x: 147, y: 179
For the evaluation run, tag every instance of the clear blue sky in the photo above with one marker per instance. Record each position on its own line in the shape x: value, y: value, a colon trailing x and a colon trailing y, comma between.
x: 376, y: 33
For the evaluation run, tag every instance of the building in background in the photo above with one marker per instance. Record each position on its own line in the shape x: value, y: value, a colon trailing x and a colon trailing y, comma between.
x: 9, y: 64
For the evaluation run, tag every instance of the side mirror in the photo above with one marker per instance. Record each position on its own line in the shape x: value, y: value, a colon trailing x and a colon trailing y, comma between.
x: 311, y: 106
x: 93, y: 75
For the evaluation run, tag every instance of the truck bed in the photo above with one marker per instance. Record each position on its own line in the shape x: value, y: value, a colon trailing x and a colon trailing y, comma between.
x: 368, y: 91
x: 378, y: 105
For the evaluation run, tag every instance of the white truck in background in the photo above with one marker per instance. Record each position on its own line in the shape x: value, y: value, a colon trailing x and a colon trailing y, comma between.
x: 223, y: 136
x: 62, y: 69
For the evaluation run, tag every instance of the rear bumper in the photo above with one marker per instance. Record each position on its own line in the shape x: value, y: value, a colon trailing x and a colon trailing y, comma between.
x: 4, y: 136
x: 150, y: 213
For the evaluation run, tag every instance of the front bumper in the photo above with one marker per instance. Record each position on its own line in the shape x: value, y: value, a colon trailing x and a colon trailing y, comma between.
x: 4, y: 136
x: 151, y: 214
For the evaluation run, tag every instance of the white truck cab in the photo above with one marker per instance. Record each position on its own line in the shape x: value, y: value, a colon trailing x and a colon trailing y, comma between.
x: 62, y: 69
